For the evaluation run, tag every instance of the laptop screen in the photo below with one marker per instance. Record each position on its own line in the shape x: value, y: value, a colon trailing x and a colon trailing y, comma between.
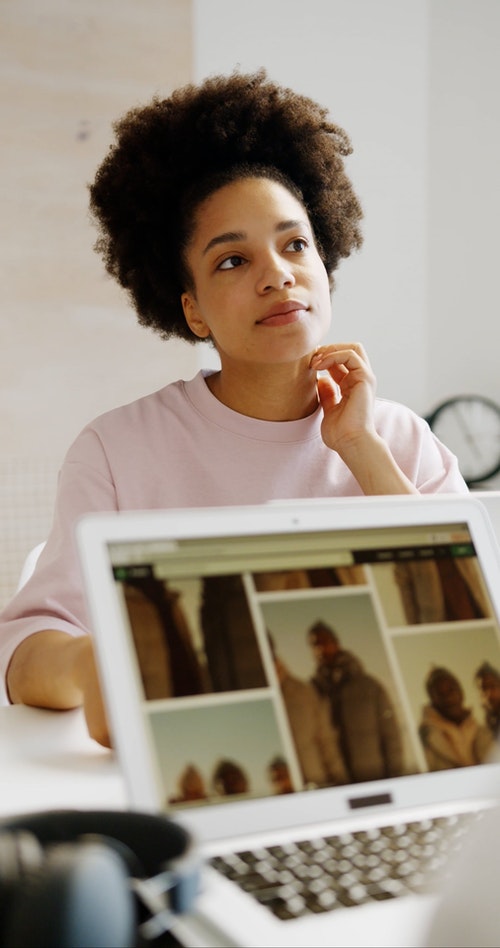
x: 276, y: 664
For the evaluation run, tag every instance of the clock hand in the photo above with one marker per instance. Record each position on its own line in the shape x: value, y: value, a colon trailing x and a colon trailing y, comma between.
x: 468, y: 435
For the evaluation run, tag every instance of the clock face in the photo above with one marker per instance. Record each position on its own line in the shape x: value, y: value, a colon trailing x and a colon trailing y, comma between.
x: 469, y: 425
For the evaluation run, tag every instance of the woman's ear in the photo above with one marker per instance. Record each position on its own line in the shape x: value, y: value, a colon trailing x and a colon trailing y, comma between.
x: 192, y: 316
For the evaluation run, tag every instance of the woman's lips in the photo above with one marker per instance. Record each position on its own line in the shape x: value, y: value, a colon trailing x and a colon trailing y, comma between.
x: 282, y: 314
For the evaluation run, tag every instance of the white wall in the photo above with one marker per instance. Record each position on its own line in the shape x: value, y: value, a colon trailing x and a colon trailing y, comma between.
x: 464, y: 197
x: 415, y: 84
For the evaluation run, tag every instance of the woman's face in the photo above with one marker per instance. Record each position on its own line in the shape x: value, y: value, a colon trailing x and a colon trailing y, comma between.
x: 261, y: 291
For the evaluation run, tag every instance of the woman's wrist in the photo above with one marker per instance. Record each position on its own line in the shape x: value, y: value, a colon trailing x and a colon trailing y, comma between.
x: 371, y: 462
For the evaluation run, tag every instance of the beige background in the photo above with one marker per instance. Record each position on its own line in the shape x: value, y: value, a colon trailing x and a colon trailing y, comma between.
x: 70, y: 346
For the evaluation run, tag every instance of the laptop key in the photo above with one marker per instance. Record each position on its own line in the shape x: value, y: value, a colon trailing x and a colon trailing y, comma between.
x: 352, y: 868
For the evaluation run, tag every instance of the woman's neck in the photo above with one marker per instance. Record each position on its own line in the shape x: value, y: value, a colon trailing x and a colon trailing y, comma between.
x: 271, y: 393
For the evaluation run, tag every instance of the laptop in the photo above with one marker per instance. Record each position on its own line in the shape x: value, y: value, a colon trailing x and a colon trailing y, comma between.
x: 210, y: 629
x: 491, y: 500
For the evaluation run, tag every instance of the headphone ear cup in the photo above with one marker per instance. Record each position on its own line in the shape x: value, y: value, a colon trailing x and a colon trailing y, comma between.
x: 80, y: 897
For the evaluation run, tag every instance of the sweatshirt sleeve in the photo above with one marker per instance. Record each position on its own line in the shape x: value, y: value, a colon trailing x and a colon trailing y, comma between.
x: 53, y: 598
x: 426, y: 461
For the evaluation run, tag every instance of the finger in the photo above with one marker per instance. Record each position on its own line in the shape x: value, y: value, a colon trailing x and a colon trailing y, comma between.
x: 347, y: 369
x: 337, y: 372
x: 97, y: 724
x: 337, y: 346
x: 344, y: 352
x: 328, y: 392
x: 350, y: 358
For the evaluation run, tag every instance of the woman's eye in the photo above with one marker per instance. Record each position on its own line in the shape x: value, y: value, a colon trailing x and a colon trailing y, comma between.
x: 297, y: 244
x: 231, y: 262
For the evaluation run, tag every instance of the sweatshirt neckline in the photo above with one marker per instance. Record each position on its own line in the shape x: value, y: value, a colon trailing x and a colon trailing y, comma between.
x: 206, y: 404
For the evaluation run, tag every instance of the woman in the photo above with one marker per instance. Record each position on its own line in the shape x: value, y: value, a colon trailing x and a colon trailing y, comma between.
x: 224, y: 212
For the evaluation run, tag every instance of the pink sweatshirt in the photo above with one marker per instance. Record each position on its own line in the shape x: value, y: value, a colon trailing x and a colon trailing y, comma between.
x: 181, y: 447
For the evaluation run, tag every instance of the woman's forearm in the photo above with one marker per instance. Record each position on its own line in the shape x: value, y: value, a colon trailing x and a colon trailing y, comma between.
x: 52, y: 669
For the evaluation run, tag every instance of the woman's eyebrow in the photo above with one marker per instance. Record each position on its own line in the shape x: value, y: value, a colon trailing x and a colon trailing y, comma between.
x: 289, y: 225
x: 228, y: 237
x: 235, y: 235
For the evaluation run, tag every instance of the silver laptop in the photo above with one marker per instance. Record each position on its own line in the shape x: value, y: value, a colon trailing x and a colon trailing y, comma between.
x: 491, y: 500
x: 267, y: 672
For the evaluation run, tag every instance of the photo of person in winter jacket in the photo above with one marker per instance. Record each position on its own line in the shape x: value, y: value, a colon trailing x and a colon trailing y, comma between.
x: 361, y: 708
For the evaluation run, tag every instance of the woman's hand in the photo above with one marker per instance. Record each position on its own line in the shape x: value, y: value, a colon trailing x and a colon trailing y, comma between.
x: 346, y: 390
x: 347, y: 394
x: 87, y: 680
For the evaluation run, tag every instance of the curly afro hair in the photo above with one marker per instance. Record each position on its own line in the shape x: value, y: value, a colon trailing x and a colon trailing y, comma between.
x: 172, y: 153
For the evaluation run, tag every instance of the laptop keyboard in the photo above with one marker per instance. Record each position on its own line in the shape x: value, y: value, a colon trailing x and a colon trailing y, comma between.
x: 318, y: 875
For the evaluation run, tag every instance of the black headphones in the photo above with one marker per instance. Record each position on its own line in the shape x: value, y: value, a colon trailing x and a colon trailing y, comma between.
x: 93, y: 879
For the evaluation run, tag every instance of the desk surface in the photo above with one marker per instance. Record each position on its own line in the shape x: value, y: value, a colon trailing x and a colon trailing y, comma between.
x: 48, y: 761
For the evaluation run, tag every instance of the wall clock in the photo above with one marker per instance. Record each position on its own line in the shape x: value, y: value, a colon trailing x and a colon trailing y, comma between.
x: 469, y: 425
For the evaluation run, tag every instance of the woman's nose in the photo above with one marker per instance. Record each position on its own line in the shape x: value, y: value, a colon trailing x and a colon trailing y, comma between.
x: 276, y: 273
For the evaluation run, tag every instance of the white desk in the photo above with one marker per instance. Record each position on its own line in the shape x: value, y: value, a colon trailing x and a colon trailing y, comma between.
x: 48, y: 761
